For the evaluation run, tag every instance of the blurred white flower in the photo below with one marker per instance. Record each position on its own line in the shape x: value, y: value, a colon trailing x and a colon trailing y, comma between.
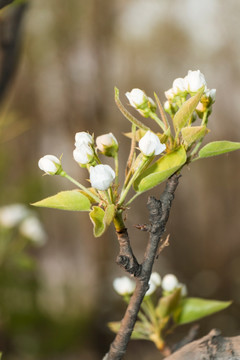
x: 169, y: 94
x: 101, y: 176
x: 183, y: 289
x: 123, y: 285
x: 83, y: 138
x: 32, y: 229
x: 107, y: 144
x: 195, y: 80
x: 136, y: 97
x: 179, y: 86
x: 50, y: 164
x: 83, y: 154
x: 170, y: 282
x: 154, y: 282
x: 167, y: 105
x: 150, y: 144
x: 12, y: 215
x: 211, y: 94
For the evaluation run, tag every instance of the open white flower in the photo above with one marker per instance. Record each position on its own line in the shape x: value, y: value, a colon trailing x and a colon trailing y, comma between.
x: 195, y: 80
x: 83, y: 138
x: 150, y: 144
x: 123, y: 285
x: 170, y: 282
x: 107, y: 144
x: 50, y: 164
x: 101, y: 176
x: 12, y: 215
x: 32, y: 229
x: 83, y: 154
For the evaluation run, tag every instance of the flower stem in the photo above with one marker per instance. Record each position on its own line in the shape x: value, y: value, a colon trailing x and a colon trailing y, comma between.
x: 116, y: 168
x: 64, y: 174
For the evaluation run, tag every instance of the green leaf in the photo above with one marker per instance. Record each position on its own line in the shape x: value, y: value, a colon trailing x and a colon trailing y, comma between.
x: 185, y: 112
x: 141, y: 331
x: 218, y: 148
x: 190, y: 134
x: 101, y: 219
x: 160, y: 170
x: 72, y: 200
x: 168, y: 303
x: 195, y: 308
x: 0, y: 356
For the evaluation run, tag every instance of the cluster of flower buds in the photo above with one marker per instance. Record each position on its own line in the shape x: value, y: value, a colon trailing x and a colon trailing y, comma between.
x: 83, y: 152
x: 125, y: 286
x: 190, y: 84
x: 141, y: 102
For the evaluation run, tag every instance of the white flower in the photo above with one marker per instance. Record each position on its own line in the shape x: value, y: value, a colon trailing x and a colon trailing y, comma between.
x: 12, y: 215
x: 107, y: 144
x: 50, y: 164
x: 123, y: 285
x: 195, y: 80
x: 101, y: 176
x: 83, y: 138
x: 136, y: 97
x: 154, y: 282
x: 179, y: 85
x: 170, y: 282
x: 211, y: 94
x: 83, y: 154
x: 183, y: 289
x: 169, y: 94
x: 150, y: 144
x: 167, y: 105
x: 32, y: 228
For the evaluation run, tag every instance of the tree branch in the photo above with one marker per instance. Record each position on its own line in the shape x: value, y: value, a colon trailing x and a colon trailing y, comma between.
x: 159, y: 212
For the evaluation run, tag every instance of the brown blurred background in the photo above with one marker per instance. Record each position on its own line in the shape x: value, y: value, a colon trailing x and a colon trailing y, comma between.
x: 73, y: 54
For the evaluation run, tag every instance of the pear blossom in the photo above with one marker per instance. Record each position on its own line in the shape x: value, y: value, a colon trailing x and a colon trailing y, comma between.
x: 169, y: 94
x: 32, y: 229
x: 101, y: 176
x: 107, y: 144
x: 154, y: 282
x: 123, y: 285
x: 183, y: 289
x: 150, y: 144
x: 170, y: 282
x: 167, y: 106
x: 136, y: 97
x: 83, y: 154
x: 211, y: 94
x: 83, y: 138
x: 195, y: 80
x: 179, y: 85
x: 12, y: 215
x: 50, y: 164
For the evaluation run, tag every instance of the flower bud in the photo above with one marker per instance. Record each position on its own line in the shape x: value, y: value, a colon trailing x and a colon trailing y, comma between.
x: 140, y: 101
x: 211, y: 94
x: 167, y: 106
x: 170, y: 282
x: 194, y: 81
x: 107, y: 144
x: 12, y: 215
x: 169, y: 94
x: 183, y: 289
x: 83, y: 138
x: 50, y: 164
x: 101, y: 176
x: 32, y: 229
x: 123, y: 285
x: 83, y: 154
x: 179, y: 86
x: 150, y: 144
x: 154, y: 282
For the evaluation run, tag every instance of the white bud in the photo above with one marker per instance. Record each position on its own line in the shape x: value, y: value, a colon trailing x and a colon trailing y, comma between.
x: 211, y: 94
x: 123, y: 285
x: 167, y: 105
x: 151, y: 289
x: 101, y: 176
x: 154, y: 282
x: 136, y: 97
x: 12, y: 215
x: 107, y: 144
x: 183, y: 289
x: 83, y: 138
x: 83, y: 154
x: 169, y: 94
x: 150, y: 144
x: 179, y: 86
x: 170, y: 282
x: 50, y: 164
x: 195, y: 80
x: 32, y: 229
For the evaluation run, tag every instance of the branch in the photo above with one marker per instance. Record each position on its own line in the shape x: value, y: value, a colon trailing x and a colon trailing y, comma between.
x: 211, y: 346
x: 4, y: 3
x: 159, y: 212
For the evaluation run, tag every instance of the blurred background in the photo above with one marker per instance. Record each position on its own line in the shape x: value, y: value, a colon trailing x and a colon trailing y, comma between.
x: 60, y: 61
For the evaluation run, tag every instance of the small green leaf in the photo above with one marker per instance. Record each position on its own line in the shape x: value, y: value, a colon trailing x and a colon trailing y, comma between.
x: 160, y: 170
x: 168, y: 303
x: 141, y: 331
x: 190, y: 134
x: 72, y: 200
x: 195, y: 308
x: 186, y: 110
x: 101, y: 219
x: 218, y: 148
